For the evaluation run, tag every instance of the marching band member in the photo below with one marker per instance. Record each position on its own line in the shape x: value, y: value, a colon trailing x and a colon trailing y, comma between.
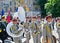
x: 3, y: 33
x: 15, y: 30
x: 57, y: 26
x: 27, y: 29
x: 39, y: 28
x: 34, y: 29
x: 47, y: 30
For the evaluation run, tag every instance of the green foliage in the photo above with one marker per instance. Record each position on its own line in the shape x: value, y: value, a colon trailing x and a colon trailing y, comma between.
x: 42, y: 3
x: 53, y: 6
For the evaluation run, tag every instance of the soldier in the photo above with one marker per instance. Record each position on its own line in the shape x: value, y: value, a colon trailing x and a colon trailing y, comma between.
x: 3, y: 33
x: 47, y: 30
x: 15, y: 30
x: 57, y: 25
x: 39, y: 28
x: 27, y: 29
x: 34, y: 29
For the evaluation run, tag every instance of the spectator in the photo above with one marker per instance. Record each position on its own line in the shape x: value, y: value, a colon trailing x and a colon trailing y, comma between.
x: 9, y: 17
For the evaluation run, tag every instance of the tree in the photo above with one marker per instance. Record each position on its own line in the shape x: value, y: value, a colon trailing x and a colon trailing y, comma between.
x: 42, y: 3
x: 53, y: 6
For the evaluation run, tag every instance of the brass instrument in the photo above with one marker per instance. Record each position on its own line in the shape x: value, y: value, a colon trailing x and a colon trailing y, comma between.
x: 26, y: 25
x: 15, y: 31
x: 39, y: 26
x: 34, y: 27
x: 58, y: 24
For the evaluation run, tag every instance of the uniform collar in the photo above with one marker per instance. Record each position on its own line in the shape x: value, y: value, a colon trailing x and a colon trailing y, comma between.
x: 49, y: 22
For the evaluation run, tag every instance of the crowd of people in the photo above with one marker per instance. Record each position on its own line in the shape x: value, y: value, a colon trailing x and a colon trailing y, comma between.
x: 34, y: 26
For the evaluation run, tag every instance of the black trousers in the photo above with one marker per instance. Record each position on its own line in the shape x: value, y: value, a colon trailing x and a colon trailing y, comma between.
x: 4, y: 36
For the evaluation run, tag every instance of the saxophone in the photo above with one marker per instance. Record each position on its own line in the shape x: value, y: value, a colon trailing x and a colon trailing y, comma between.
x: 26, y: 25
x: 38, y: 28
x: 34, y: 27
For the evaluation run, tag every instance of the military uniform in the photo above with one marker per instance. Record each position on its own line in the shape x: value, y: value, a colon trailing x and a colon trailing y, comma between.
x: 39, y: 29
x: 58, y: 27
x: 33, y: 28
x: 27, y: 30
x: 47, y: 30
x: 3, y: 33
x: 15, y: 30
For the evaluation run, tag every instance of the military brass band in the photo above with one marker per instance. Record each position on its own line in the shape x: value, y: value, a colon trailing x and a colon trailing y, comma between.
x: 33, y: 27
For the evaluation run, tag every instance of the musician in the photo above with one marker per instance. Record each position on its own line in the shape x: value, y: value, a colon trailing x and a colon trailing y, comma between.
x: 33, y: 27
x: 14, y: 28
x: 3, y: 33
x: 47, y: 30
x: 57, y: 27
x: 39, y: 28
x: 27, y: 29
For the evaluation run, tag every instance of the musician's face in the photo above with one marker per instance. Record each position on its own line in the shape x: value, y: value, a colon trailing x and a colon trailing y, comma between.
x: 38, y: 19
x: 34, y: 19
x: 27, y: 19
x: 49, y: 19
x: 15, y: 21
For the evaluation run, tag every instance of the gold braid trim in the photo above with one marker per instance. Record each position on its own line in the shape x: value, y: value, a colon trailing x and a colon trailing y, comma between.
x: 48, y: 29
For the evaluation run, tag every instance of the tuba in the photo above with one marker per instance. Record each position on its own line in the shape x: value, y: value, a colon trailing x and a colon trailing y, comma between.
x: 15, y: 31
